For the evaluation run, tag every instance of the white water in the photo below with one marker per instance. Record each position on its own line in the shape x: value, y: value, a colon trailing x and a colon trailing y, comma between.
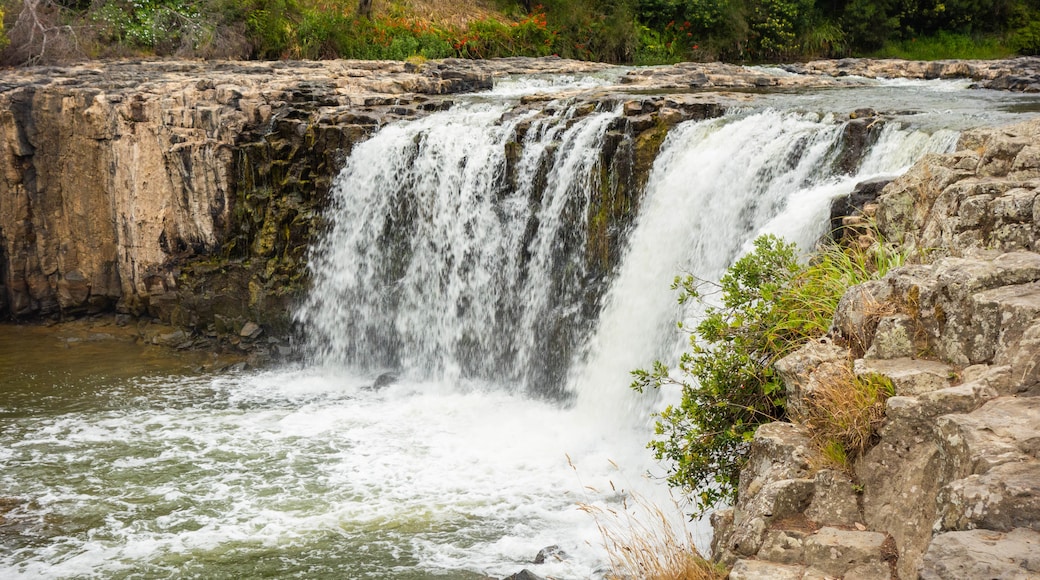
x: 716, y: 186
x: 455, y: 471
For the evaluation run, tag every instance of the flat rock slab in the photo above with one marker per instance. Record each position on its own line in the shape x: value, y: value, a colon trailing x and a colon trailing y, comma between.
x: 982, y: 555
x: 1003, y: 430
x: 836, y: 552
x: 759, y: 570
x: 1004, y: 498
x: 909, y: 376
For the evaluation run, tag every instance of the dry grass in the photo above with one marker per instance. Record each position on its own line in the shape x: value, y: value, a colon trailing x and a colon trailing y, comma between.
x: 457, y: 14
x: 843, y: 414
x: 645, y: 543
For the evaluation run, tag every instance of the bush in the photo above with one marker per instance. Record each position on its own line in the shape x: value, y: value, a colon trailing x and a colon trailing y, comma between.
x: 770, y: 306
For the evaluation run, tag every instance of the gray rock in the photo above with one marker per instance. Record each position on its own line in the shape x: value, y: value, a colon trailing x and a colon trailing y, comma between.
x: 894, y: 338
x: 909, y: 376
x: 983, y: 555
x: 782, y: 546
x: 835, y: 501
x: 758, y: 570
x: 802, y: 370
x: 552, y: 553
x: 836, y: 552
x: 524, y: 574
x: 1002, y: 499
x: 1004, y: 430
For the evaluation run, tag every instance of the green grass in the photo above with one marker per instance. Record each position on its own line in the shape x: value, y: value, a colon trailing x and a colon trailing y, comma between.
x: 946, y: 45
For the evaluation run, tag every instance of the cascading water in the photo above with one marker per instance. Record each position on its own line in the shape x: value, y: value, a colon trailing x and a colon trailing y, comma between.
x: 716, y: 186
x: 459, y: 253
x: 448, y: 258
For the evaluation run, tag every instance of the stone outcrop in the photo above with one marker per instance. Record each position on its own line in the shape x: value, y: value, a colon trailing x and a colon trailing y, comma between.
x: 189, y: 192
x: 952, y: 487
x: 1017, y: 74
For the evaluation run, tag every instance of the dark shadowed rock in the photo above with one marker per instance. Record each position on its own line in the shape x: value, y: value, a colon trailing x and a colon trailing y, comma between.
x: 550, y: 554
x: 384, y: 380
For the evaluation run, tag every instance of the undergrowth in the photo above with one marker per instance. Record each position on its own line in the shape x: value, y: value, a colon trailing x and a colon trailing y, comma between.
x: 767, y: 305
x: 843, y: 414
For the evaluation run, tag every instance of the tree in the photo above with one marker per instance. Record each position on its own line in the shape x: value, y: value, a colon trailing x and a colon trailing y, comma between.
x: 364, y: 8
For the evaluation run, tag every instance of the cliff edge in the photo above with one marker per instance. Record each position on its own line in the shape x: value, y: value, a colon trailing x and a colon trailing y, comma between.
x: 951, y: 489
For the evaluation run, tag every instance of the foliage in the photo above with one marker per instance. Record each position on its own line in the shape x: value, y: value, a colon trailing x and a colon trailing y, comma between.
x: 770, y: 305
x: 150, y: 24
x: 4, y: 40
x: 944, y: 45
x: 621, y: 31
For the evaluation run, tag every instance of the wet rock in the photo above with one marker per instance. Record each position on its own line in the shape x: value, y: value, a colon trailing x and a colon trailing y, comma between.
x: 524, y: 574
x: 251, y: 330
x: 552, y: 553
x: 384, y: 380
x: 864, y: 193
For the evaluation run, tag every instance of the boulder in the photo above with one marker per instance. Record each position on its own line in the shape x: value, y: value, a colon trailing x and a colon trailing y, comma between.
x: 552, y: 553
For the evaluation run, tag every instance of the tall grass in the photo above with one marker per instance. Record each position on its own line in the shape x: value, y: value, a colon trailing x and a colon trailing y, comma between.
x: 647, y: 542
x: 946, y: 45
x: 643, y: 542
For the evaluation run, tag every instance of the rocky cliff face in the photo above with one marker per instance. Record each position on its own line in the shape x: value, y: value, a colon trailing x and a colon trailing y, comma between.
x: 190, y: 192
x: 952, y: 487
x: 114, y: 176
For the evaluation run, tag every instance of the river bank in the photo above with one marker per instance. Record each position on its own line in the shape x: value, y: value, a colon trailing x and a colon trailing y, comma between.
x: 202, y: 206
x: 189, y: 191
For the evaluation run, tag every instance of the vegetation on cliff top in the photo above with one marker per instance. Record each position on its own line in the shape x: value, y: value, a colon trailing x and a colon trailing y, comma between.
x: 766, y: 306
x: 620, y: 31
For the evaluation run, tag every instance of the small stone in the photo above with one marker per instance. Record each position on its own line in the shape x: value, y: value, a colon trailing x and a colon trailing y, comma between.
x: 550, y: 554
x: 251, y: 330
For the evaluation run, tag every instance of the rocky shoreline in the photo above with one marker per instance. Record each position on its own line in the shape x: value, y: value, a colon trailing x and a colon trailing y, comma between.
x: 952, y: 487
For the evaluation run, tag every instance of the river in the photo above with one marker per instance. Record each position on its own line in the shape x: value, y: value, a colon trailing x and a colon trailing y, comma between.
x: 124, y: 461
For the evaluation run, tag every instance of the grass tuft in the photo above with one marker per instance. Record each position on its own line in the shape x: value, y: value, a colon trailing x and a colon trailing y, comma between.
x: 843, y: 414
x: 645, y: 542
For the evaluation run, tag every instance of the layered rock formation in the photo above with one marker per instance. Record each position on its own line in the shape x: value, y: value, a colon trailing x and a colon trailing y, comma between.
x: 190, y: 192
x: 952, y: 487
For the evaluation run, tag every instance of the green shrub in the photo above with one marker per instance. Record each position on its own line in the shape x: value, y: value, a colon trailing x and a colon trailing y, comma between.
x: 770, y: 306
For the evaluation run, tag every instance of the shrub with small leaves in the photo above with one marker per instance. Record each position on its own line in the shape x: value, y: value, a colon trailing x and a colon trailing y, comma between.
x: 770, y: 306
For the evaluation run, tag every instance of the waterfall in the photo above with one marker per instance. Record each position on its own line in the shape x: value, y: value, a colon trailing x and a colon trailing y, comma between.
x: 716, y: 186
x: 457, y: 246
x: 459, y: 242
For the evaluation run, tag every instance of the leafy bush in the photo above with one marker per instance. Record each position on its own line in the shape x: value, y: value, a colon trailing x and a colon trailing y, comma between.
x: 770, y: 306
